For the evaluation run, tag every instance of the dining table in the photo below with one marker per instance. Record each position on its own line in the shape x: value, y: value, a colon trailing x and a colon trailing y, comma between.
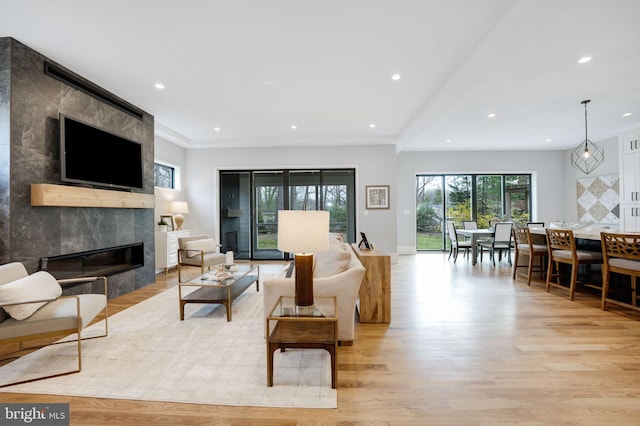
x: 475, y: 235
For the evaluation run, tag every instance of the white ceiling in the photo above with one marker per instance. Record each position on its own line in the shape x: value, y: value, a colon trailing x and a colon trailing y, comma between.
x: 330, y: 62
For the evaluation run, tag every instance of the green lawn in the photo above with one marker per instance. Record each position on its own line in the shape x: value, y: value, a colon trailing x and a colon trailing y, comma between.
x: 429, y: 242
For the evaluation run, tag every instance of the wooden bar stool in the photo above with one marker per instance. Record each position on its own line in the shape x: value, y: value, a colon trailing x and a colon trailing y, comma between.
x: 562, y: 249
x: 621, y: 255
x: 524, y: 245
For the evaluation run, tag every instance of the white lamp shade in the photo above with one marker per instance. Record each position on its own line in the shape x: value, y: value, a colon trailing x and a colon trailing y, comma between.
x: 303, y: 231
x: 179, y: 207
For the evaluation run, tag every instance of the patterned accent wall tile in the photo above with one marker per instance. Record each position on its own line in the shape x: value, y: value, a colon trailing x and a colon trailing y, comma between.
x: 598, y: 199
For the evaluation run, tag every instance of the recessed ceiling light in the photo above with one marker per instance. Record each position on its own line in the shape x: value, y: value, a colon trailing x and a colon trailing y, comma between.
x: 159, y: 86
x: 491, y: 115
x: 547, y: 140
x: 396, y: 77
x: 584, y: 59
x: 217, y: 129
x: 372, y: 125
x: 293, y: 126
x: 626, y: 114
x: 448, y: 141
x: 268, y: 82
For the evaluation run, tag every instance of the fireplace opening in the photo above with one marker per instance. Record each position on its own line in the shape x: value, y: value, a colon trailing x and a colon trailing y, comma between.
x: 107, y: 261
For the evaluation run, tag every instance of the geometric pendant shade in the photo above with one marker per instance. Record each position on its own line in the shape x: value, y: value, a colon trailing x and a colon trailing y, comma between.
x: 587, y: 156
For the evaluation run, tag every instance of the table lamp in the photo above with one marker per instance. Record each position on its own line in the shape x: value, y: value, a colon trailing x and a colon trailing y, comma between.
x: 178, y: 208
x: 303, y: 232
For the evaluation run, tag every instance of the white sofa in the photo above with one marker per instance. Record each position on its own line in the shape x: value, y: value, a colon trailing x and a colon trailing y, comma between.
x: 337, y: 272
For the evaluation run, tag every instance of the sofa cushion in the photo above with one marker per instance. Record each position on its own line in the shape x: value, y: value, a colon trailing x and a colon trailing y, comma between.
x: 194, y: 247
x: 40, y: 285
x: 332, y: 262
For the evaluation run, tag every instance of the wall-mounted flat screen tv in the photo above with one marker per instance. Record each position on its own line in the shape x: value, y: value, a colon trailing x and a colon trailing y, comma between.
x: 95, y: 157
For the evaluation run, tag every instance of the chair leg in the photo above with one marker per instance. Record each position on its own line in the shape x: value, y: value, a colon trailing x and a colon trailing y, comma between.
x: 549, y: 274
x: 530, y: 268
x: 574, y: 280
x: 605, y: 289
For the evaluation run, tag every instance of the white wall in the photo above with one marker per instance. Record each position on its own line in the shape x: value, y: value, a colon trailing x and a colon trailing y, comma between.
x: 375, y: 165
x: 547, y: 168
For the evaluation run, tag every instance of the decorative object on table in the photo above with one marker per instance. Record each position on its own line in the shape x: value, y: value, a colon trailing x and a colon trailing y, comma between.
x: 303, y: 232
x: 364, y: 242
x: 377, y: 197
x: 178, y: 208
x: 162, y: 225
x: 228, y: 258
x: 587, y: 156
x: 598, y: 199
x: 168, y: 220
x: 221, y: 273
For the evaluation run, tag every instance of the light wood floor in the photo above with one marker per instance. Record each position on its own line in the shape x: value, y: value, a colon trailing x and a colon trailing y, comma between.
x: 466, y: 345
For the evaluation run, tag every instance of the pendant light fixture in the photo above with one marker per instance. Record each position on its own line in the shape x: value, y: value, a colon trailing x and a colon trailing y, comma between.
x: 587, y: 156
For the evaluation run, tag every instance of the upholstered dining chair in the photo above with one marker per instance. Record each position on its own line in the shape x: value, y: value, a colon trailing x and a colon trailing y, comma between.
x: 563, y: 249
x: 456, y: 244
x: 620, y: 255
x: 525, y: 246
x: 500, y: 242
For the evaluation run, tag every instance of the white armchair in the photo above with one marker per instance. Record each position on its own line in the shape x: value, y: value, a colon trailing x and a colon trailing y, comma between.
x: 198, y: 250
x: 31, y: 307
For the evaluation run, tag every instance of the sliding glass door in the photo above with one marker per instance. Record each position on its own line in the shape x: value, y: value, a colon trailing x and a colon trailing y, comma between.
x: 261, y: 193
x: 485, y: 199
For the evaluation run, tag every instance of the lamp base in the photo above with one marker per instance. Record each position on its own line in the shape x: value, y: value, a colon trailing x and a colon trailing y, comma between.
x: 179, y: 221
x: 304, y: 280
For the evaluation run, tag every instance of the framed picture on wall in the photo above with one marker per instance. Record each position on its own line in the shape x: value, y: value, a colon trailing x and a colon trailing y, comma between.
x: 377, y: 197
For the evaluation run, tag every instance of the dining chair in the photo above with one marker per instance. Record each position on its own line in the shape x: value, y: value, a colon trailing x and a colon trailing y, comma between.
x: 469, y: 224
x: 525, y: 246
x: 563, y: 249
x: 620, y: 255
x: 500, y: 242
x: 456, y: 244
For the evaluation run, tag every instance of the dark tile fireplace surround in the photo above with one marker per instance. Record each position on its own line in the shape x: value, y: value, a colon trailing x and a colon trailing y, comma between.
x: 85, y: 237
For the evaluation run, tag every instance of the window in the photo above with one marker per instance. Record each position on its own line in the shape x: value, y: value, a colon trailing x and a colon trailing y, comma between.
x: 164, y: 176
x: 485, y: 199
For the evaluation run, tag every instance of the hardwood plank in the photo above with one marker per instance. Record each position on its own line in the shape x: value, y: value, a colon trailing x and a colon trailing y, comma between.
x: 467, y: 345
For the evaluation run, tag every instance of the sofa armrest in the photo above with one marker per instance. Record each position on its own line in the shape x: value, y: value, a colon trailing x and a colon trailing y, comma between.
x: 344, y: 285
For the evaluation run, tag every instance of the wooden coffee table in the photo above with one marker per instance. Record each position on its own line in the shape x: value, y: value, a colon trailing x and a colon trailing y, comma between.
x: 308, y: 328
x: 214, y: 290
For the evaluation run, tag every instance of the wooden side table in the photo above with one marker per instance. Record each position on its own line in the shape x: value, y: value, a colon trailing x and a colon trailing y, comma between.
x: 308, y: 328
x: 375, y: 292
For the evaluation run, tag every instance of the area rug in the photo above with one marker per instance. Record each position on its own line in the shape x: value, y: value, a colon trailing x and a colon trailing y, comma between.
x: 151, y: 355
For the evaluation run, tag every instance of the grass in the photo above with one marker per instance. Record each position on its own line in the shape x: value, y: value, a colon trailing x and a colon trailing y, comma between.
x: 429, y: 241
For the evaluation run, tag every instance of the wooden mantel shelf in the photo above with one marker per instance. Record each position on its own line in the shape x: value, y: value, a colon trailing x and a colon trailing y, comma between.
x: 43, y: 194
